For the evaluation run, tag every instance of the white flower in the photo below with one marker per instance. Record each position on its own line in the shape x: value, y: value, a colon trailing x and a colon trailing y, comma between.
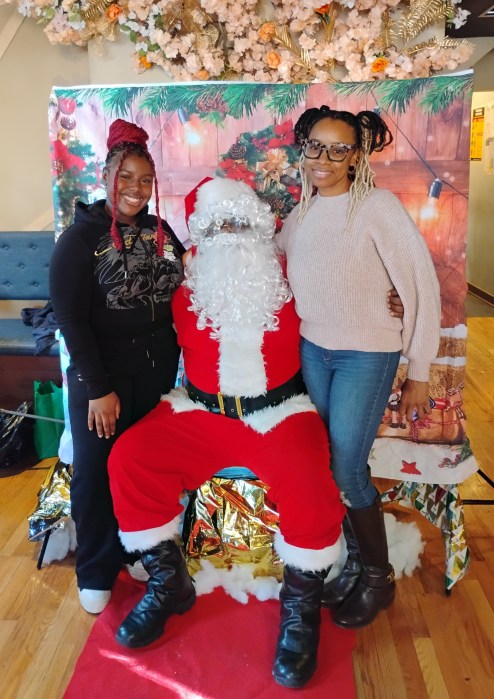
x: 24, y: 8
x: 352, y: 46
x: 460, y: 18
x: 78, y: 26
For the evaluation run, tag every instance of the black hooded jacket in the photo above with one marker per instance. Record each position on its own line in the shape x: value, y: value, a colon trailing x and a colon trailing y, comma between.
x: 113, y: 307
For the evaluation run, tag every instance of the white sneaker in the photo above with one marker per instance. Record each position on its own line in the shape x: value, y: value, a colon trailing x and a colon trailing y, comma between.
x: 137, y: 571
x: 94, y: 601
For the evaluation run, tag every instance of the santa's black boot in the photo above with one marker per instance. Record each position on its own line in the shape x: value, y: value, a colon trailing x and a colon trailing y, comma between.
x: 338, y: 589
x: 375, y: 589
x: 169, y: 591
x: 298, y: 640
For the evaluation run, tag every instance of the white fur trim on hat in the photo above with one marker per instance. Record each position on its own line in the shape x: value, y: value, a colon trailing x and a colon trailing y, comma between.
x: 220, y: 189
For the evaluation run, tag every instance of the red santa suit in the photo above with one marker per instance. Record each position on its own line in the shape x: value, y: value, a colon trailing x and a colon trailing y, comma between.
x: 182, y: 443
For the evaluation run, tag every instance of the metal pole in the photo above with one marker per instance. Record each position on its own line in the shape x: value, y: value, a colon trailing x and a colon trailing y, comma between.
x: 34, y: 417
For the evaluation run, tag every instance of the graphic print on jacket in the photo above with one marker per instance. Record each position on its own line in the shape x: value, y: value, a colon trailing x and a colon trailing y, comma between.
x: 125, y: 275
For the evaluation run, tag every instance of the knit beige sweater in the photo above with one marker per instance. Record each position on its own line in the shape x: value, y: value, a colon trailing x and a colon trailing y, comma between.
x: 340, y: 276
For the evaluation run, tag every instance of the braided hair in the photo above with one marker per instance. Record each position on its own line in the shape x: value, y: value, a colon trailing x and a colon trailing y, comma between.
x: 124, y: 139
x: 371, y: 134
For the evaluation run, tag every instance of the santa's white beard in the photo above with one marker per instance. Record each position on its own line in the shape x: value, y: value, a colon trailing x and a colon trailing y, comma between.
x: 237, y: 280
x: 237, y: 287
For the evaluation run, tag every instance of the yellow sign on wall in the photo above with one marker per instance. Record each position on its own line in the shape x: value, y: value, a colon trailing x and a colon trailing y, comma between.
x: 477, y: 133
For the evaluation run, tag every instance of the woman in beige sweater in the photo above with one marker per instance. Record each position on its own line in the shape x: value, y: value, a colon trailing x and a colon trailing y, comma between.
x: 346, y: 246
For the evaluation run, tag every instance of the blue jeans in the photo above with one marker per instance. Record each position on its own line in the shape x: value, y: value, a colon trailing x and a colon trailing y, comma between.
x: 350, y: 390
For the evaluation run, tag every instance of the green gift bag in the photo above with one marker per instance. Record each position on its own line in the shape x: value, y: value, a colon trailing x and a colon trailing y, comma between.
x: 48, y: 402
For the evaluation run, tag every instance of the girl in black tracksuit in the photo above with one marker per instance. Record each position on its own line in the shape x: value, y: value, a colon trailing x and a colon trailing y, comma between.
x: 112, y: 277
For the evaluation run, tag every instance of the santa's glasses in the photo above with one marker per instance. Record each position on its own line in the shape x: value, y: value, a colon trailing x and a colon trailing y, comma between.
x: 337, y: 152
x: 235, y: 224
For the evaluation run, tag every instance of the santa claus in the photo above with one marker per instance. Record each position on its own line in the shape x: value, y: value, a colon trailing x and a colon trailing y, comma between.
x: 244, y: 404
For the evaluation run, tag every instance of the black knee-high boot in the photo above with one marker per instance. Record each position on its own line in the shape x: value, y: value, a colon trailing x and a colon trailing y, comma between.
x: 169, y: 591
x: 298, y: 640
x: 375, y: 589
x: 338, y: 589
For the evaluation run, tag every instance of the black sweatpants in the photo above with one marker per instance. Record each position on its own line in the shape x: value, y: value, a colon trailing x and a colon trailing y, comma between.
x: 99, y: 554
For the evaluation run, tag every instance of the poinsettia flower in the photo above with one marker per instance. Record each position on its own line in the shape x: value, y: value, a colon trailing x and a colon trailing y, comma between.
x: 285, y: 134
x: 295, y: 191
x: 284, y: 128
x: 237, y: 171
x: 62, y: 159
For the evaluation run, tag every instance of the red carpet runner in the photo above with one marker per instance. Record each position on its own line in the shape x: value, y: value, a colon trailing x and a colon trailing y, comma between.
x: 220, y: 649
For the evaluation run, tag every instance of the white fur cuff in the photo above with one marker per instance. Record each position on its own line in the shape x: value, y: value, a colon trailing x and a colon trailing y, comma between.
x: 306, y: 559
x: 147, y: 538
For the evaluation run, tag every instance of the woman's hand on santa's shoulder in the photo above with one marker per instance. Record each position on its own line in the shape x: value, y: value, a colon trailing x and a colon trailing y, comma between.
x: 103, y: 414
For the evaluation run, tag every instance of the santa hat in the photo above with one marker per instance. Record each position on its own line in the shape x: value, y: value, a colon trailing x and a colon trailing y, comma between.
x: 191, y: 198
x: 222, y: 199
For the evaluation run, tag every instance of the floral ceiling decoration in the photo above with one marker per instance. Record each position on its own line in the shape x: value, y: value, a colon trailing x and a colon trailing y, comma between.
x: 268, y: 41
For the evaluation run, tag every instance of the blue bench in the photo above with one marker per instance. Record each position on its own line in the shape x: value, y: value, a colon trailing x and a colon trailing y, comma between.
x: 24, y: 261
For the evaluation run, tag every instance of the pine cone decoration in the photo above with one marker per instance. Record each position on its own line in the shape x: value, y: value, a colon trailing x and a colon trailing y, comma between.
x: 212, y: 103
x: 237, y: 151
x: 276, y: 203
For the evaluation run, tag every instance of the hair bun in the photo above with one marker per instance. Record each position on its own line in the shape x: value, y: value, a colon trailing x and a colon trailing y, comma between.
x: 125, y: 132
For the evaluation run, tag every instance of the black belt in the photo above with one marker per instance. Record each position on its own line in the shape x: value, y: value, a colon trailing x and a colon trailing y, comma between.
x: 238, y: 406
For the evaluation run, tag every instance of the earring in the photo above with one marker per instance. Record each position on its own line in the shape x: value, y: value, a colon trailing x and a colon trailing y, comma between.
x: 352, y: 170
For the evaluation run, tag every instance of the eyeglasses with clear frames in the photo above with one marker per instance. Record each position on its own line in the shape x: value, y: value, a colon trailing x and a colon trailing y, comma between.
x: 337, y: 152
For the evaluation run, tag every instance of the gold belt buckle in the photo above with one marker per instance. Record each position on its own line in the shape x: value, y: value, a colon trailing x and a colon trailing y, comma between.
x: 238, y: 405
x: 221, y: 403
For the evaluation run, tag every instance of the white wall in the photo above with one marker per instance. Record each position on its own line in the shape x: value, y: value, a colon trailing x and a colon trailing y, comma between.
x: 483, y: 76
x: 480, y: 239
x: 28, y: 69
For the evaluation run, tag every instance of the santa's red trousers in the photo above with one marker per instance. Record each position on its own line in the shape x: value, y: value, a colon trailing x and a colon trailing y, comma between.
x: 165, y: 453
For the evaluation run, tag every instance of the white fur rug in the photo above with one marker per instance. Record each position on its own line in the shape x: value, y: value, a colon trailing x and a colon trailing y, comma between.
x: 404, y: 542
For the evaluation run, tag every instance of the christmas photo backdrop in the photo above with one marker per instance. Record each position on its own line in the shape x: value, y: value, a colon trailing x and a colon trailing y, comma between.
x: 245, y: 131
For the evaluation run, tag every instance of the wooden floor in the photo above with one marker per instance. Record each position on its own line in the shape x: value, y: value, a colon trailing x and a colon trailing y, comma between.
x: 426, y: 646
